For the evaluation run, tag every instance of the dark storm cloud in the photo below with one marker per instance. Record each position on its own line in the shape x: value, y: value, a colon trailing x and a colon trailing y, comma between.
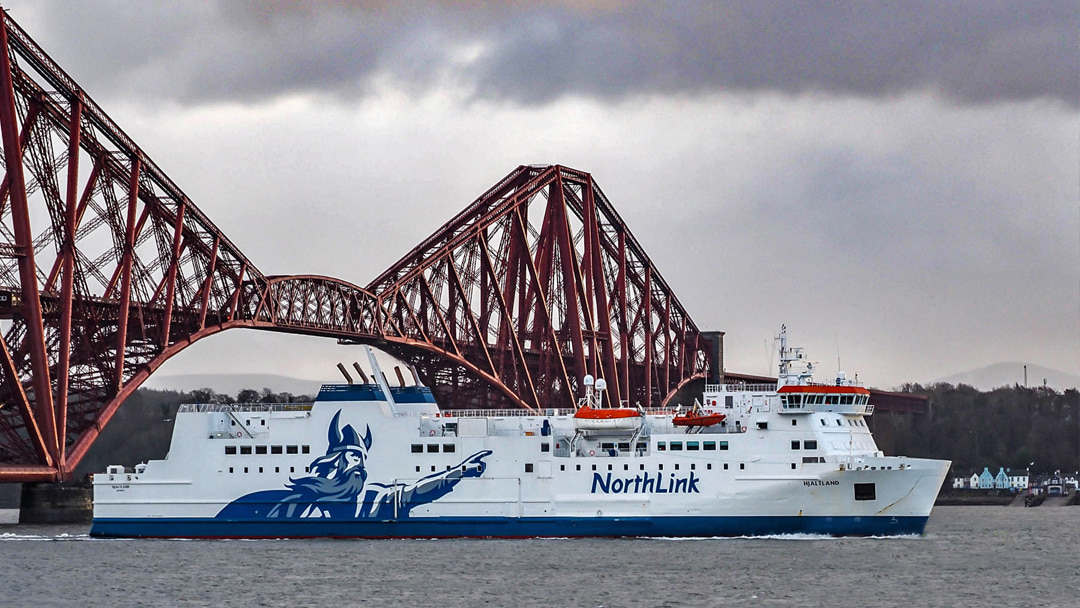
x: 969, y: 52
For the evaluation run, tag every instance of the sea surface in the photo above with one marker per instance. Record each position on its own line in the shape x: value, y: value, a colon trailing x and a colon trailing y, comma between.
x: 969, y: 556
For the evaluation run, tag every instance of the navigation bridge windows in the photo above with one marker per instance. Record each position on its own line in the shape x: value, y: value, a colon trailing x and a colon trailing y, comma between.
x: 807, y: 401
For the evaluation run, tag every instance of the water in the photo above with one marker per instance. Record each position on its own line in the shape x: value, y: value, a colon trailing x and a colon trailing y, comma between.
x: 970, y: 556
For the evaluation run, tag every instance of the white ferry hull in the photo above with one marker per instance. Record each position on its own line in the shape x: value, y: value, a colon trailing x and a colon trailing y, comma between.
x: 422, y: 473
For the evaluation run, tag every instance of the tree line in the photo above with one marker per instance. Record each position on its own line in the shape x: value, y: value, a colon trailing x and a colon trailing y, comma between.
x: 1016, y: 427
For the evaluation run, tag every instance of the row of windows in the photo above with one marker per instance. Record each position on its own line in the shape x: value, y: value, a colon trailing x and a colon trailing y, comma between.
x: 433, y: 448
x: 276, y: 469
x: 273, y: 449
x: 691, y: 446
x: 801, y: 400
x: 809, y: 444
x: 641, y: 467
x: 849, y: 421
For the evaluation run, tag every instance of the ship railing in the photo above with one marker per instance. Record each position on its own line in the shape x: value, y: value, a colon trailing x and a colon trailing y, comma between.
x: 521, y: 413
x: 740, y: 387
x: 485, y: 413
x: 203, y: 408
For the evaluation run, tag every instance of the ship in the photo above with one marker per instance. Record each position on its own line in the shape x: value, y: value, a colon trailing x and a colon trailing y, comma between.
x: 371, y: 460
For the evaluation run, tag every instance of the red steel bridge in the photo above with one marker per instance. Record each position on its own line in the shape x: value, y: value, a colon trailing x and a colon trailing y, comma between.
x: 107, y: 269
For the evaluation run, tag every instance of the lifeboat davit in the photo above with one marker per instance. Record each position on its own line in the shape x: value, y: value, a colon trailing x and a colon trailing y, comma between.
x: 698, y: 419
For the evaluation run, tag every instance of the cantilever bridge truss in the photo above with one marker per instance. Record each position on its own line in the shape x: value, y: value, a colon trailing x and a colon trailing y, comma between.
x: 107, y: 269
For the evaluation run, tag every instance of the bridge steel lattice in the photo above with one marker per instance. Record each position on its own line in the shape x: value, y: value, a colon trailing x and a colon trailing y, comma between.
x: 537, y: 283
x: 107, y: 269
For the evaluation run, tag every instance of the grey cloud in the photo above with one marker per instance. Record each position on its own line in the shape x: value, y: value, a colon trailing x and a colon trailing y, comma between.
x: 969, y: 52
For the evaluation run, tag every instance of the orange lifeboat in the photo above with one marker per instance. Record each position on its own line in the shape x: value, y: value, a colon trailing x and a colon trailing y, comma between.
x: 590, y: 417
x: 703, y: 418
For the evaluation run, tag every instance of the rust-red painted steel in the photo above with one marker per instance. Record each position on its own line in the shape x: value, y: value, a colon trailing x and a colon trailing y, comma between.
x: 523, y: 285
x: 535, y: 283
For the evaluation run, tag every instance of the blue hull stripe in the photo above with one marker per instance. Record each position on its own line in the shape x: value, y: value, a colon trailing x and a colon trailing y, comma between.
x: 509, y: 527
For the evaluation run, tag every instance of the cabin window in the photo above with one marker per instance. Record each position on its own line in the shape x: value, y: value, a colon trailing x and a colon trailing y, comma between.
x: 822, y: 422
x: 641, y: 445
x: 796, y: 400
x: 626, y: 467
x: 262, y: 422
x: 832, y: 399
x: 417, y: 468
x: 729, y: 402
x: 795, y: 445
x: 810, y: 444
x: 579, y: 467
x: 594, y: 467
x: 292, y: 469
x: 676, y: 446
x: 417, y: 448
x: 305, y: 449
x: 291, y: 449
x: 846, y: 399
x: 725, y: 466
x: 230, y: 449
x: 709, y: 466
x: 609, y: 467
x: 723, y: 445
x: 607, y: 445
x: 794, y: 422
x: 624, y: 445
x: 275, y: 449
x: 245, y: 449
x: 692, y: 446
x: 710, y: 446
x: 432, y: 468
x: 433, y: 448
x: 260, y: 469
x: 232, y: 423
x: 245, y: 469
x: 812, y: 459
x: 528, y: 467
x: 661, y: 466
x: 260, y: 449
x: 783, y: 400
x: 660, y: 447
x: 742, y: 466
x: 838, y: 423
x: 562, y: 467
x: 449, y: 448
x: 865, y: 491
x: 230, y: 469
x: 545, y: 447
x: 793, y: 466
x: 762, y: 425
x: 641, y: 467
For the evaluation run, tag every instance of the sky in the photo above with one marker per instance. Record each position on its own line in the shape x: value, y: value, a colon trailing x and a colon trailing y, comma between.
x: 897, y: 182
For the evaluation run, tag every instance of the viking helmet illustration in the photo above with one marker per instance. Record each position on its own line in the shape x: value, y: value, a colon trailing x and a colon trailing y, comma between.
x: 347, y: 438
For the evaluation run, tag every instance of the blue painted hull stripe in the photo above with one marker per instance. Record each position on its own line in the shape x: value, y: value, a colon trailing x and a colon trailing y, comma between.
x: 507, y: 527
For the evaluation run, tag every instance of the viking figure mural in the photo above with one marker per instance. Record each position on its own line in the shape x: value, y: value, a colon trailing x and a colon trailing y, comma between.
x: 337, y: 487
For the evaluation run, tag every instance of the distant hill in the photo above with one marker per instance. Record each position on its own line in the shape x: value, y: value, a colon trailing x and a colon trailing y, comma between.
x: 234, y: 383
x: 1010, y: 373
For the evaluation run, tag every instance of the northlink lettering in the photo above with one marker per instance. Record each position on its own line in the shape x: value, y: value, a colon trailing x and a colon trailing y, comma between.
x: 645, y: 484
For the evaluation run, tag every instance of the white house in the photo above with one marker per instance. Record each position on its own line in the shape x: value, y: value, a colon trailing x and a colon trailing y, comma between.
x: 1018, y: 481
